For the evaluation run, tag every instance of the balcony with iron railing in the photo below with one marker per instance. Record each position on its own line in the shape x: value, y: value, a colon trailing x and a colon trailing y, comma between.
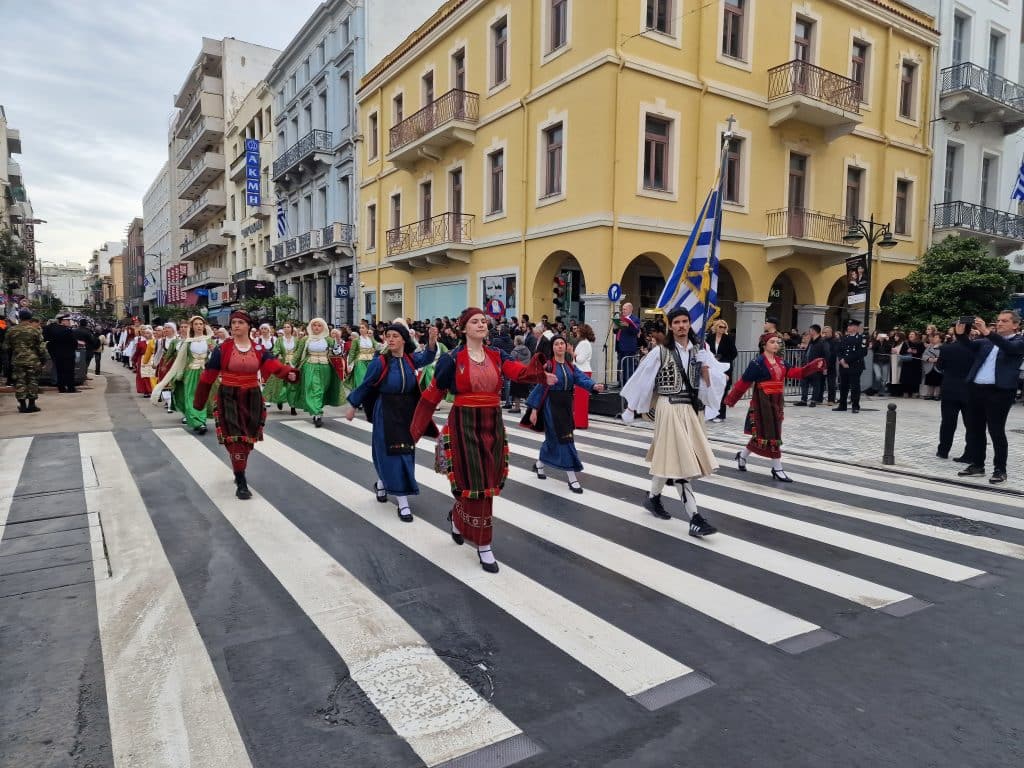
x: 205, y: 135
x: 200, y: 245
x: 1003, y: 229
x: 207, y: 99
x: 208, y: 205
x: 208, y: 167
x: 243, y: 274
x: 439, y: 240
x: 803, y: 92
x: 973, y: 94
x: 449, y: 119
x: 208, y: 277
x: 322, y: 241
x: 315, y: 146
x: 799, y: 230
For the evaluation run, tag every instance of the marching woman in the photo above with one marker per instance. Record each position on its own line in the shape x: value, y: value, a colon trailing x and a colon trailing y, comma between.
x: 582, y: 355
x: 239, y: 412
x: 287, y: 348
x: 165, y: 363
x: 475, y: 451
x: 141, y: 352
x: 552, y: 412
x: 319, y: 384
x: 388, y: 395
x: 186, y: 372
x: 767, y: 374
x: 361, y: 353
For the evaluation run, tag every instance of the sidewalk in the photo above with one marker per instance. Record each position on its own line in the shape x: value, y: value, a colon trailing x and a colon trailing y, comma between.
x: 84, y: 411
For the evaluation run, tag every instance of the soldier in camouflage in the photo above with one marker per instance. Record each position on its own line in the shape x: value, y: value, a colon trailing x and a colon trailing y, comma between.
x: 28, y: 358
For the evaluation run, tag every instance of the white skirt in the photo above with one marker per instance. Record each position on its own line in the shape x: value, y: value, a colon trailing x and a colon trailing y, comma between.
x: 680, y: 448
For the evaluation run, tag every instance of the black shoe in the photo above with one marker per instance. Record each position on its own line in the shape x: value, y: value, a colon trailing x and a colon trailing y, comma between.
x: 241, y: 487
x: 516, y: 411
x: 998, y: 476
x: 839, y: 408
x: 653, y: 503
x: 741, y: 463
x: 456, y: 536
x: 382, y: 495
x: 962, y: 460
x: 701, y: 527
x: 22, y: 407
x: 812, y: 404
x: 73, y: 391
x: 318, y: 421
x: 855, y: 410
x: 280, y: 406
x: 942, y: 454
x: 201, y: 430
x: 32, y: 407
x: 489, y: 567
x: 405, y: 514
x: 539, y: 471
x: 800, y: 402
x: 971, y: 471
x: 294, y: 412
x: 781, y: 476
x: 575, y: 487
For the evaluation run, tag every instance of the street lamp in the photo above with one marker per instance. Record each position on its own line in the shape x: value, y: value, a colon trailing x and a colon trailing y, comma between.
x: 874, y: 232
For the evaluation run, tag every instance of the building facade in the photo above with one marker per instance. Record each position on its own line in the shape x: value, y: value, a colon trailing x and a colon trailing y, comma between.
x: 15, y: 206
x: 584, y: 152
x: 224, y: 72
x: 113, y: 297
x: 156, y: 233
x: 66, y: 282
x: 315, y: 131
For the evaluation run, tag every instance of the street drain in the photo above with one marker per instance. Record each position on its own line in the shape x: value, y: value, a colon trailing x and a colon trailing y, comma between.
x: 955, y: 523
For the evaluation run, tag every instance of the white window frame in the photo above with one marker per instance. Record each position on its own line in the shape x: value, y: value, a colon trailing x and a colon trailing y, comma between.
x: 743, y: 206
x: 910, y: 57
x: 496, y: 145
x: 432, y: 71
x: 548, y: 54
x: 380, y: 299
x: 371, y: 245
x: 373, y: 128
x: 998, y: 29
x: 860, y: 164
x: 997, y: 157
x: 675, y: 39
x: 805, y: 13
x: 460, y: 45
x: 746, y: 61
x: 398, y: 92
x: 458, y: 165
x: 505, y: 13
x: 552, y: 119
x: 659, y: 110
x: 905, y: 175
x: 861, y: 36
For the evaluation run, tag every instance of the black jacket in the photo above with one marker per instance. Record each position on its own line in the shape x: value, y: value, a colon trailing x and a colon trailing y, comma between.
x: 851, y: 349
x: 818, y: 349
x: 87, y: 337
x: 1011, y: 353
x: 955, y: 360
x: 724, y: 351
x: 60, y: 340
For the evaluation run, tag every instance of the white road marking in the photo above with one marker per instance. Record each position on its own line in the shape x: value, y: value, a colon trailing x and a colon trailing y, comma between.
x: 13, y: 453
x: 630, y: 665
x: 166, y: 705
x: 742, y: 613
x: 439, y: 715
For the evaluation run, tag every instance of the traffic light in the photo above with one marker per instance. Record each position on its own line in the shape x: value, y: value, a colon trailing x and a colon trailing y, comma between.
x: 558, y: 293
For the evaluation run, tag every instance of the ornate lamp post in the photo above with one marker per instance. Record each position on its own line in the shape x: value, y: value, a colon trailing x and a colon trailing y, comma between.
x: 875, y: 233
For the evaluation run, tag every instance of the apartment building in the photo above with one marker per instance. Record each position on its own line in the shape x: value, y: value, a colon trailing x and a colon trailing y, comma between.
x: 157, y: 246
x: 67, y: 282
x: 15, y: 206
x: 134, y: 265
x: 507, y: 146
x: 315, y: 132
x: 224, y: 72
x: 113, y: 287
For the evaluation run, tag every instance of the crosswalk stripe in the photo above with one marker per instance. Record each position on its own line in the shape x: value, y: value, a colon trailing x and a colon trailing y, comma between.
x: 826, y: 579
x: 632, y: 666
x: 742, y: 613
x: 986, y: 544
x: 166, y: 706
x: 13, y: 453
x: 438, y: 714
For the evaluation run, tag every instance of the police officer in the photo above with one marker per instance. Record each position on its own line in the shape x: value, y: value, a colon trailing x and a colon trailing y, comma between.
x: 28, y: 358
x: 62, y: 344
x: 850, y: 362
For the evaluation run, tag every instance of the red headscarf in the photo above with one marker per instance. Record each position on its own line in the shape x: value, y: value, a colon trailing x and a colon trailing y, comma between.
x: 468, y: 313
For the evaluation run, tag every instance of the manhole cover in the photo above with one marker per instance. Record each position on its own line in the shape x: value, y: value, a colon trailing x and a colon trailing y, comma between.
x: 954, y: 523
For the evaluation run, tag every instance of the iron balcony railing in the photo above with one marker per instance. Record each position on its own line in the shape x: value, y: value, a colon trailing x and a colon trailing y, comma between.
x: 200, y: 127
x: 203, y: 200
x: 314, y: 141
x: 799, y: 78
x: 197, y: 169
x: 438, y: 230
x: 269, y: 254
x: 966, y: 76
x: 978, y: 218
x: 807, y: 225
x: 278, y: 251
x: 241, y: 275
x: 454, y: 105
x: 342, y: 234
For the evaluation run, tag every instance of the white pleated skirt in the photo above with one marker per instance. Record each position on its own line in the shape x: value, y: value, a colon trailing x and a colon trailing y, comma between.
x: 680, y: 447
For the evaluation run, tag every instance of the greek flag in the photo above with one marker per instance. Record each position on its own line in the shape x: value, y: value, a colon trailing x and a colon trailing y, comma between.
x: 1018, y: 191
x: 282, y: 220
x: 693, y: 284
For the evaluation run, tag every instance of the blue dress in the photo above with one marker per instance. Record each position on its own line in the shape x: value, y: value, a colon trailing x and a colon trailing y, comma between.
x: 558, y: 449
x: 395, y: 467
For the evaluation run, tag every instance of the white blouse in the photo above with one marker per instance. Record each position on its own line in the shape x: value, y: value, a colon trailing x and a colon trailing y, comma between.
x: 317, y: 345
x: 583, y: 353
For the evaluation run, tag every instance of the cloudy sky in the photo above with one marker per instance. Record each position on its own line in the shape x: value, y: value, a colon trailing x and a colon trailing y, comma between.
x: 90, y: 85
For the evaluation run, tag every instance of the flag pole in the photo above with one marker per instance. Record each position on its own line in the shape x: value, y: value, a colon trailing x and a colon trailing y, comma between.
x: 705, y: 284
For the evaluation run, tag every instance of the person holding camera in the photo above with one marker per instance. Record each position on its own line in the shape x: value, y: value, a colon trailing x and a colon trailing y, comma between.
x: 767, y: 374
x: 991, y: 384
x: 956, y: 360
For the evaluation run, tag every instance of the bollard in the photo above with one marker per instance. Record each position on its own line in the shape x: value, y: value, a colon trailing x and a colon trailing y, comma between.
x: 888, y: 453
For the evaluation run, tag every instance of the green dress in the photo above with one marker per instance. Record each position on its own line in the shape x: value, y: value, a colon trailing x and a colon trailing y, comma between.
x: 195, y: 362
x: 277, y: 390
x: 319, y: 385
x: 359, y: 359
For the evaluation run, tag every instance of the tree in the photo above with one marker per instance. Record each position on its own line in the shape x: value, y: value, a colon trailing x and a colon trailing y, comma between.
x: 956, y: 277
x: 46, y: 306
x: 279, y: 309
x: 14, y: 260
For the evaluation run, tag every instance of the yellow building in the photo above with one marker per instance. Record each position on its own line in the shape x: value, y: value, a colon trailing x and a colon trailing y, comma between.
x: 507, y: 144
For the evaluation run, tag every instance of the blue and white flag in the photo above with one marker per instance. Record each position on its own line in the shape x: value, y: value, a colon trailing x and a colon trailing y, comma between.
x: 693, y: 284
x: 1018, y: 191
x: 282, y: 219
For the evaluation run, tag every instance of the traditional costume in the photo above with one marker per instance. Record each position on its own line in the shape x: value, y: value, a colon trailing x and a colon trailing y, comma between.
x: 555, y: 408
x: 473, y: 450
x: 277, y: 391
x: 141, y: 354
x: 360, y: 354
x: 186, y: 372
x: 239, y: 412
x: 163, y: 367
x: 767, y: 375
x: 319, y: 385
x: 679, y: 450
x: 389, y: 395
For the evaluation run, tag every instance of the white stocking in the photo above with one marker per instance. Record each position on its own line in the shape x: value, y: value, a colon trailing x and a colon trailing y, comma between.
x: 777, y: 464
x: 402, y: 502
x: 486, y: 555
x: 572, y: 476
x: 657, y: 485
x: 745, y: 453
x: 689, y: 498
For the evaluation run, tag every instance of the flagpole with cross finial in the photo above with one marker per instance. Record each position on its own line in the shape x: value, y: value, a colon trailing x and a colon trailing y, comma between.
x: 705, y: 283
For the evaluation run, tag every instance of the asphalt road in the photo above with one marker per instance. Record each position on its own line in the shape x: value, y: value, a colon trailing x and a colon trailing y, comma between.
x: 147, y: 618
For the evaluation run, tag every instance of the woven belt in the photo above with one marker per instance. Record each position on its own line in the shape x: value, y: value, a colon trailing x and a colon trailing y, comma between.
x: 366, y: 356
x: 315, y: 357
x: 772, y: 387
x: 228, y: 379
x: 478, y: 401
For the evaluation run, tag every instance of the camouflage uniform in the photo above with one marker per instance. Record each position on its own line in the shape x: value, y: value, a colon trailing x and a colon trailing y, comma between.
x: 28, y: 358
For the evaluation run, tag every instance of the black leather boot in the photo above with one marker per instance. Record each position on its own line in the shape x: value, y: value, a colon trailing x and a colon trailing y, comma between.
x: 241, y: 487
x: 22, y: 408
x: 32, y: 407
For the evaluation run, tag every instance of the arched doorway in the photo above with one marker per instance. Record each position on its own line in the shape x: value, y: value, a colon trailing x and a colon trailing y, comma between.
x: 789, y: 289
x: 838, y: 309
x: 560, y: 269
x: 643, y: 280
x: 885, y: 321
x: 727, y: 296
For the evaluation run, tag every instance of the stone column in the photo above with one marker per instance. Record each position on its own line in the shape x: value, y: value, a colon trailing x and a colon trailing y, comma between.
x: 808, y: 315
x: 749, y: 324
x: 597, y: 313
